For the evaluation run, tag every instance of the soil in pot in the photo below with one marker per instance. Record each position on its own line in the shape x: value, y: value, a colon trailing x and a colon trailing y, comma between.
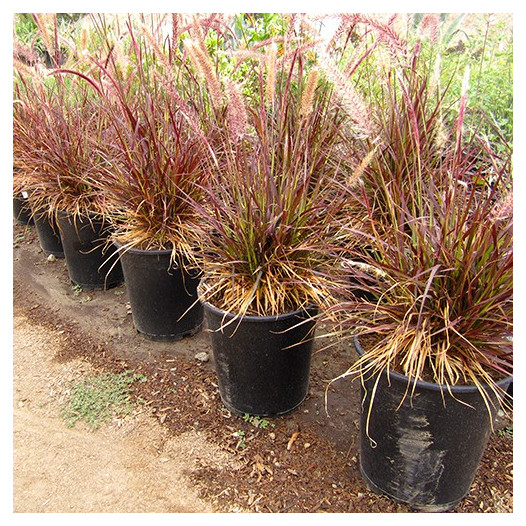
x: 91, y: 259
x: 48, y: 234
x: 422, y: 449
x: 262, y: 363
x: 162, y: 294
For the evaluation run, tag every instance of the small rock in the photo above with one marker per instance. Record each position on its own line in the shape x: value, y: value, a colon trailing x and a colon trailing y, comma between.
x: 51, y: 258
x: 202, y: 356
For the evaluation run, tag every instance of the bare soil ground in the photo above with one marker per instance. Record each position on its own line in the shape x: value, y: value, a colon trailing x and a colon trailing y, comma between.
x: 180, y: 450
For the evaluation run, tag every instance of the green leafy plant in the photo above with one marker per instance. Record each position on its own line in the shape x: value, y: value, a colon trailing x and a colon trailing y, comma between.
x: 252, y: 28
x: 506, y: 432
x: 256, y: 421
x: 97, y: 398
x: 484, y: 43
x: 241, y: 442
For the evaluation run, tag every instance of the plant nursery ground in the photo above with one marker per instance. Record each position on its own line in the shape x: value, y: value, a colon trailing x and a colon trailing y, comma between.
x: 180, y: 450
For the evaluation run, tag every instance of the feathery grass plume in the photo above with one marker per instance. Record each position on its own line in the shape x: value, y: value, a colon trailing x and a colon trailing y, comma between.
x: 356, y: 175
x: 23, y: 68
x: 23, y: 53
x: 122, y: 60
x: 385, y: 31
x: 46, y: 23
x: 197, y: 32
x: 236, y: 111
x: 343, y: 28
x: 240, y: 56
x: 159, y: 53
x: 308, y: 93
x: 56, y: 41
x: 270, y: 63
x: 189, y: 46
x: 290, y: 26
x: 192, y: 114
x: 350, y: 99
x: 462, y: 107
x: 176, y: 22
x: 203, y: 65
x: 390, y: 35
x: 83, y: 41
x: 179, y: 26
x: 434, y: 81
x: 200, y: 27
x: 406, y: 116
x: 442, y: 137
x: 429, y: 26
x: 503, y: 208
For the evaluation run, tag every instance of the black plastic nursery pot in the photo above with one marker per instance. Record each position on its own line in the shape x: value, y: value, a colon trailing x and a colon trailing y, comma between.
x: 162, y: 294
x: 22, y: 210
x: 48, y: 234
x: 91, y: 259
x: 422, y: 450
x: 262, y: 362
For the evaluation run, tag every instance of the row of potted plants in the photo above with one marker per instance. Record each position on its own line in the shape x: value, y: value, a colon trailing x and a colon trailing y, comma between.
x: 269, y: 183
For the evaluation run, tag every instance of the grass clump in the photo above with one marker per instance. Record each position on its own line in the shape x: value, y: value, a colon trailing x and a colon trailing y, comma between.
x: 96, y: 398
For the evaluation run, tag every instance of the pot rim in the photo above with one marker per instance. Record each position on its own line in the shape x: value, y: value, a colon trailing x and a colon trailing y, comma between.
x: 310, y: 309
x: 63, y: 212
x: 81, y: 217
x: 431, y: 385
x: 123, y: 249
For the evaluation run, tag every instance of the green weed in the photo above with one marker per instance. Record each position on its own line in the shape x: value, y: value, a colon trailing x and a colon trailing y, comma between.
x: 256, y: 421
x: 96, y: 398
x: 506, y: 432
x: 241, y: 443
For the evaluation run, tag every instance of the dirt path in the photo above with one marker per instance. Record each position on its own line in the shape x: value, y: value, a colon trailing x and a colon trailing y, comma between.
x: 129, y: 465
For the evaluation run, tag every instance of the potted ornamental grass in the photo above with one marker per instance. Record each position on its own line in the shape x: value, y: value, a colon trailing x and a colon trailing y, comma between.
x: 435, y: 338
x: 433, y: 328
x: 58, y: 133
x: 25, y: 57
x: 21, y: 207
x: 154, y: 169
x: 57, y: 130
x: 269, y: 234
